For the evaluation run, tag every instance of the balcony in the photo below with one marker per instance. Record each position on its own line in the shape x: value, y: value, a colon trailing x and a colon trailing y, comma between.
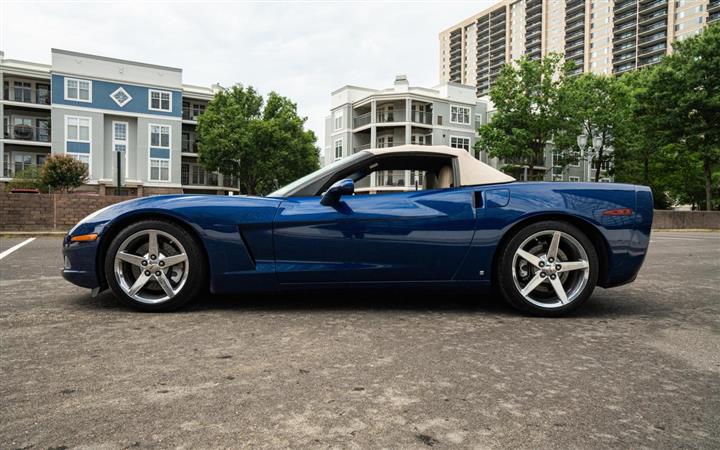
x: 191, y: 113
x: 620, y: 18
x: 359, y: 148
x: 657, y: 36
x: 574, y: 8
x: 654, y: 26
x: 625, y: 6
x: 362, y: 120
x: 625, y: 27
x: 390, y: 116
x: 423, y: 117
x: 652, y: 6
x: 196, y: 175
x: 646, y: 51
x: 189, y: 146
x: 652, y: 17
x: 21, y: 132
x: 25, y: 95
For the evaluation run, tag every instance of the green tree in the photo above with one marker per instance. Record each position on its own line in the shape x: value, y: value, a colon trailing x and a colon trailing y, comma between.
x: 642, y: 152
x: 529, y: 113
x: 63, y: 173
x: 262, y: 142
x: 687, y: 94
x: 597, y: 106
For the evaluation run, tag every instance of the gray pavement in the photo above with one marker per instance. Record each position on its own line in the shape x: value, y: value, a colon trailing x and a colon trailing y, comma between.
x: 637, y: 367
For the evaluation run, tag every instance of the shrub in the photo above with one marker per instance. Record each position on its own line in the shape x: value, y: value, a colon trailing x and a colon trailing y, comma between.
x: 28, y: 178
x: 63, y: 173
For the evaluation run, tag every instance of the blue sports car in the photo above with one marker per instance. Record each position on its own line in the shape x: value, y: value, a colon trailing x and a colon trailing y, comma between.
x: 409, y: 216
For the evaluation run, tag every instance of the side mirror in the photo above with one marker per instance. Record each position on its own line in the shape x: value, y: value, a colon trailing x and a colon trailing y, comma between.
x: 337, y: 190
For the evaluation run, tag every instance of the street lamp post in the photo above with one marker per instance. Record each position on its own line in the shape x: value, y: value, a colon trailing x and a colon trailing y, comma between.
x: 587, y: 152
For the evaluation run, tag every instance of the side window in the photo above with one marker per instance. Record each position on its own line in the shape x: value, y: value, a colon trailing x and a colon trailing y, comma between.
x: 415, y: 174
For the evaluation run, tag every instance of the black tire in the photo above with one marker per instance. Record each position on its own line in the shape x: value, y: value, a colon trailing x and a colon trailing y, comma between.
x: 506, y: 283
x: 194, y: 284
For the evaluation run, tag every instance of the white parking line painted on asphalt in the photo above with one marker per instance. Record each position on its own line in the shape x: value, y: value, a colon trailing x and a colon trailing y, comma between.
x: 13, y: 248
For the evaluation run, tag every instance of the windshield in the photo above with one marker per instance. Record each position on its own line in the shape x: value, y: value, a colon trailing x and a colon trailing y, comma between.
x: 283, y: 191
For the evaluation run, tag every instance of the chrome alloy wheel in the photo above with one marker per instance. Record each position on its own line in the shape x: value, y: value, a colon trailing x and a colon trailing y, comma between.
x: 151, y: 266
x: 550, y: 269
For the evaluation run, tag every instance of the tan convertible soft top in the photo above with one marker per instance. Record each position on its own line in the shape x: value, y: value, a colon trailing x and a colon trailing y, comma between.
x: 472, y: 171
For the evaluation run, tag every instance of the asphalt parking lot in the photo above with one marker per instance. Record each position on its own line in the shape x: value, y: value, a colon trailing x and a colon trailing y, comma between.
x: 638, y: 366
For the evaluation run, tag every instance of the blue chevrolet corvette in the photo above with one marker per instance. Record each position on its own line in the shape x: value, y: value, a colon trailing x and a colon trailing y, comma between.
x: 455, y: 222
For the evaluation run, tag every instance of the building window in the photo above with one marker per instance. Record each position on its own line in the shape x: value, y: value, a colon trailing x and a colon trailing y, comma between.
x: 120, y: 136
x: 338, y: 121
x: 22, y: 92
x: 120, y: 140
x: 160, y: 100
x: 78, y: 90
x: 385, y: 141
x: 42, y: 93
x: 460, y: 142
x: 159, y: 152
x: 574, y: 179
x: 77, y: 139
x: 159, y: 169
x: 460, y: 114
x: 160, y: 136
x: 338, y: 145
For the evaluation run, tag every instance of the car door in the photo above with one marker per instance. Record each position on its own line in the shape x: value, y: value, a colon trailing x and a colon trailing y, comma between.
x: 407, y: 236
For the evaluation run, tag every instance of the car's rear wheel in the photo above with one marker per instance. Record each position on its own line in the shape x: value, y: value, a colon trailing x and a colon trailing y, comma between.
x: 155, y: 265
x: 547, y: 268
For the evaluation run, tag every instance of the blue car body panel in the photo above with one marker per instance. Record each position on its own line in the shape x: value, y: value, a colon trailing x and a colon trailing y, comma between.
x: 447, y: 236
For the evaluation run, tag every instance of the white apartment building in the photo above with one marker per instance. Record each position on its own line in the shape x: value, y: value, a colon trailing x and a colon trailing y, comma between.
x: 362, y: 118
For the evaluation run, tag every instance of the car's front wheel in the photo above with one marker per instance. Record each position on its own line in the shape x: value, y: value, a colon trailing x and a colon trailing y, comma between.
x: 547, y: 268
x: 155, y: 265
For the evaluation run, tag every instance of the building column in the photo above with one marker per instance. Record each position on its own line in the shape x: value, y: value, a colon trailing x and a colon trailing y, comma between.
x: 373, y: 130
x: 408, y: 127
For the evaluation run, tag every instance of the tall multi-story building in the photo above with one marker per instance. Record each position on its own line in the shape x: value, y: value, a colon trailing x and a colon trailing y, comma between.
x: 600, y: 36
x: 362, y: 118
x: 92, y: 107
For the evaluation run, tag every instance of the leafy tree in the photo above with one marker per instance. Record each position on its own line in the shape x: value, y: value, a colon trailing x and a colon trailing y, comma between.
x: 642, y: 154
x: 63, y: 173
x: 598, y: 107
x: 263, y: 143
x: 28, y: 178
x: 529, y: 112
x: 687, y: 95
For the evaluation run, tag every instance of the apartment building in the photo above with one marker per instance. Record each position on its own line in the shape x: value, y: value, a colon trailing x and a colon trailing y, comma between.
x: 92, y: 107
x: 362, y: 118
x: 600, y: 36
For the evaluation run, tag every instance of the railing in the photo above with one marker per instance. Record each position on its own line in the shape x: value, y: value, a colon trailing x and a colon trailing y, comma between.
x: 395, y: 115
x: 361, y: 120
x: 421, y: 117
x: 625, y: 26
x: 649, y: 17
x: 27, y: 133
x: 652, y: 4
x: 662, y: 35
x: 654, y: 48
x: 654, y: 26
x: 536, y: 162
x: 360, y: 148
x: 189, y: 114
x: 189, y: 146
x: 41, y: 98
x: 621, y: 6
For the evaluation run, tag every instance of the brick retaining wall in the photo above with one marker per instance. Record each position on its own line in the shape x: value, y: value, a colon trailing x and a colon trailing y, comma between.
x: 49, y: 212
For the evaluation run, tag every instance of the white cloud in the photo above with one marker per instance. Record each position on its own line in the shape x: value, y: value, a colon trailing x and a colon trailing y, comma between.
x: 303, y: 50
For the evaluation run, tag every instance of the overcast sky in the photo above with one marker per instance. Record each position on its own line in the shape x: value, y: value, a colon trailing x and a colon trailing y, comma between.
x: 303, y: 50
